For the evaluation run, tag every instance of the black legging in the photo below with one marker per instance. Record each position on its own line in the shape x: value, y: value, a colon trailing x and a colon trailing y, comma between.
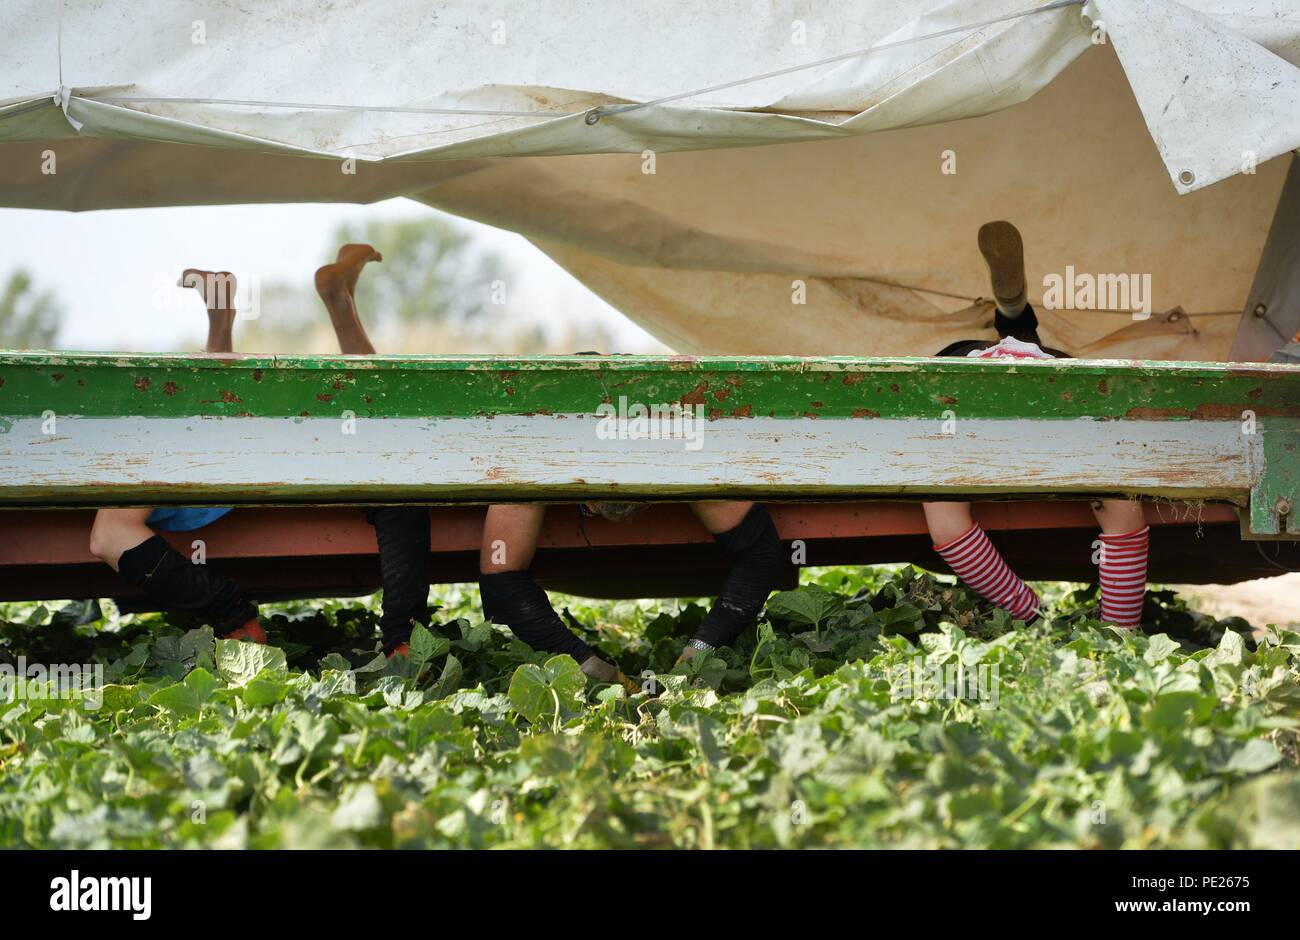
x: 757, y: 559
x: 514, y: 599
x: 403, y: 536
x: 171, y: 580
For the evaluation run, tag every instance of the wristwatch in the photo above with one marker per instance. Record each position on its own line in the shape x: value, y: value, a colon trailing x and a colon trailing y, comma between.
x: 700, y: 645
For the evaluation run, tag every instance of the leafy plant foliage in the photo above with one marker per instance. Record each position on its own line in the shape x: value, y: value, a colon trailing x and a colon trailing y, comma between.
x: 817, y: 730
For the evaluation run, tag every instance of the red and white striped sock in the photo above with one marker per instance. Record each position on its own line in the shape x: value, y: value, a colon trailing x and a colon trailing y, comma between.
x: 975, y: 560
x: 1124, y: 577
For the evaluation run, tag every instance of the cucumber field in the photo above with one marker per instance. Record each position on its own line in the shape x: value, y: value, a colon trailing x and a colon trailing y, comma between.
x: 872, y: 708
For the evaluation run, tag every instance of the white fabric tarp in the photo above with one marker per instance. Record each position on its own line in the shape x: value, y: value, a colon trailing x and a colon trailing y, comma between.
x: 824, y: 209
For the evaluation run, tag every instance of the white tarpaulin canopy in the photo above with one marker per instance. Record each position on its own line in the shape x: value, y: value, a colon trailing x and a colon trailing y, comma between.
x: 813, y: 185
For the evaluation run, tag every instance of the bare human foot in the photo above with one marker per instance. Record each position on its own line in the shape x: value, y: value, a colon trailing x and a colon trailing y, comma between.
x: 218, y: 290
x: 336, y: 284
x: 352, y: 258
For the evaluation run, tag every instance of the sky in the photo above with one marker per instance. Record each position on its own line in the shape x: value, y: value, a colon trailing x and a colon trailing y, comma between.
x: 109, y: 268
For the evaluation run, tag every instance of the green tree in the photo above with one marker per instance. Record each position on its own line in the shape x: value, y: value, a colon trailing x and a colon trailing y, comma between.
x: 29, y: 319
x: 433, y: 270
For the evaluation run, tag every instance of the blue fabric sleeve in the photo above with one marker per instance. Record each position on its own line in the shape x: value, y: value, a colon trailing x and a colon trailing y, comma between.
x: 184, y: 518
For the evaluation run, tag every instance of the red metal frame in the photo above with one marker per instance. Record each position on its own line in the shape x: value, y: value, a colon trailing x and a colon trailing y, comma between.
x: 303, y: 552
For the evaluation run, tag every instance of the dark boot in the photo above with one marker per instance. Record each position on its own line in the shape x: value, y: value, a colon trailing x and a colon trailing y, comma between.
x: 169, y: 578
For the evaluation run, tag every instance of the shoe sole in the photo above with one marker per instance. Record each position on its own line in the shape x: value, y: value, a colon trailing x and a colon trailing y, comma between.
x: 1004, y: 251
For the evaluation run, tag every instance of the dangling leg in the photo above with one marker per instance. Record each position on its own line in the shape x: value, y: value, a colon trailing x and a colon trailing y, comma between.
x: 336, y: 283
x: 511, y: 596
x: 966, y: 548
x: 1004, y: 252
x: 218, y: 290
x: 509, y: 593
x: 116, y: 531
x: 120, y: 538
x: 1124, y: 549
x: 749, y: 539
x: 123, y: 540
x: 401, y: 532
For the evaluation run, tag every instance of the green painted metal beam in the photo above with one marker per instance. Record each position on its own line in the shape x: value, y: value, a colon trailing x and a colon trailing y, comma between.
x: 463, y: 386
x: 92, y: 427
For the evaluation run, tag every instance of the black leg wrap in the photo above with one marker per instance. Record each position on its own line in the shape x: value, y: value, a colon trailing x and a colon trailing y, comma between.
x: 169, y: 578
x: 513, y: 598
x: 402, y: 533
x: 758, y: 558
x: 1023, y: 327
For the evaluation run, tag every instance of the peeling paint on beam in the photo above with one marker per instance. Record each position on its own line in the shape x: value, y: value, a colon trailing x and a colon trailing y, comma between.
x: 267, y: 429
x: 514, y: 456
x: 459, y: 386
